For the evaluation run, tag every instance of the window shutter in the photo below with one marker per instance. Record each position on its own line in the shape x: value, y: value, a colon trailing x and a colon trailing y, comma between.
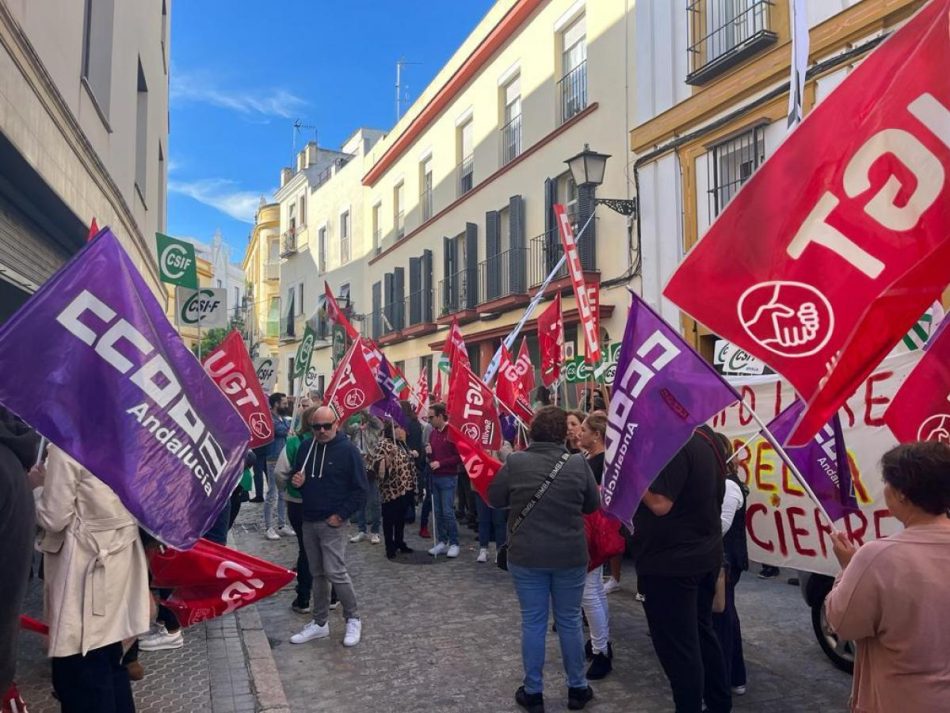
x: 586, y: 246
x: 399, y: 298
x: 516, y: 256
x: 552, y: 240
x: 377, y: 309
x: 471, y: 265
x: 427, y: 286
x: 492, y: 259
x: 448, y: 279
x: 415, y: 290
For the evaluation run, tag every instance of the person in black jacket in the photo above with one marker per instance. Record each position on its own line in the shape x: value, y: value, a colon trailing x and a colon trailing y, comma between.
x: 331, y: 477
x: 417, y: 449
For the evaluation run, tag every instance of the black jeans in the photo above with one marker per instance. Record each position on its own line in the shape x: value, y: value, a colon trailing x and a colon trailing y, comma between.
x: 679, y: 614
x: 260, y: 474
x: 94, y: 683
x: 304, y: 578
x: 729, y: 633
x: 394, y: 522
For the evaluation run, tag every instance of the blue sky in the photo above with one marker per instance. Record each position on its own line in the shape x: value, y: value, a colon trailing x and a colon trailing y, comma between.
x: 239, y: 79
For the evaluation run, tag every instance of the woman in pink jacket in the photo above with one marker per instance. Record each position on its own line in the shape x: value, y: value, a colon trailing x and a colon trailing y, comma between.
x: 891, y: 596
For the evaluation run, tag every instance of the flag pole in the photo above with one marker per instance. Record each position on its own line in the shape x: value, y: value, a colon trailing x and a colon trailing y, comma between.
x: 767, y: 434
x: 535, y: 301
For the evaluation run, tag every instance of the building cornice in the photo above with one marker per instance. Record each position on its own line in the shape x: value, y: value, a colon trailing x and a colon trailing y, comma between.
x: 499, y: 35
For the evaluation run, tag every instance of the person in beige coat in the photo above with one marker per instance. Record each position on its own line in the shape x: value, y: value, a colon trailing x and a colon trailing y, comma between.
x: 95, y: 586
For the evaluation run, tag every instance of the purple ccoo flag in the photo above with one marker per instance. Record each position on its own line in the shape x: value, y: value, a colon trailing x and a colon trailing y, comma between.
x: 387, y: 407
x: 662, y: 391
x: 93, y: 364
x: 823, y: 462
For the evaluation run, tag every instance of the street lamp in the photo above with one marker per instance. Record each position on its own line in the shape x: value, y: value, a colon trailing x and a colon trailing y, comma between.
x: 587, y: 169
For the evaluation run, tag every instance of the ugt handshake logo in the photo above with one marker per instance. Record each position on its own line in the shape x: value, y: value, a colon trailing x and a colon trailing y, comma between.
x: 791, y: 319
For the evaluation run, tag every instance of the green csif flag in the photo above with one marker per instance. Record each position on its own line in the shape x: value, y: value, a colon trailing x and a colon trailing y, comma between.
x: 304, y: 352
x: 176, y: 261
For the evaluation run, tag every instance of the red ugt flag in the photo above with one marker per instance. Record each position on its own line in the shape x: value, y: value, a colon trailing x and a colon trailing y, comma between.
x: 920, y: 411
x: 336, y: 315
x: 471, y: 408
x: 353, y: 386
x: 509, y: 389
x: 231, y: 368
x: 551, y: 341
x: 833, y: 249
x: 480, y: 466
x: 525, y: 368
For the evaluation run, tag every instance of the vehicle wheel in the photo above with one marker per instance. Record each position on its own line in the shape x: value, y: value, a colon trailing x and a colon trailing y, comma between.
x: 840, y: 651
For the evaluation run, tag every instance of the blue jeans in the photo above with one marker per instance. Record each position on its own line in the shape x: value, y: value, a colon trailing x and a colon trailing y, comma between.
x: 372, y: 511
x: 443, y: 487
x: 273, y: 503
x: 491, y: 520
x: 537, y: 589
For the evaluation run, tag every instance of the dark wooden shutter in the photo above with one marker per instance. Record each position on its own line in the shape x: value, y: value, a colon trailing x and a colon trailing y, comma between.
x: 587, y: 245
x: 426, y: 285
x: 415, y: 290
x: 492, y: 282
x: 399, y: 298
x: 471, y: 265
x: 377, y: 309
x: 552, y: 242
x: 389, y: 323
x: 517, y: 252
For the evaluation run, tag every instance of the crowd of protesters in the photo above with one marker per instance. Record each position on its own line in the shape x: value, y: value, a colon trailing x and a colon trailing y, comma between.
x: 543, y: 514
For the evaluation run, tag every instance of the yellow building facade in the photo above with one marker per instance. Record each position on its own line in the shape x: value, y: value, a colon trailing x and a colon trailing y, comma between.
x: 261, y: 266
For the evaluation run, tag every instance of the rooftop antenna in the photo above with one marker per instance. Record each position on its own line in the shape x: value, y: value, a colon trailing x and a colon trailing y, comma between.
x: 400, y: 63
x: 297, y: 126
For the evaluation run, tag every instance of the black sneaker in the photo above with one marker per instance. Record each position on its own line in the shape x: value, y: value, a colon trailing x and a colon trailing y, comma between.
x: 599, y: 668
x: 531, y: 702
x: 301, y: 606
x: 577, y: 698
x: 768, y: 572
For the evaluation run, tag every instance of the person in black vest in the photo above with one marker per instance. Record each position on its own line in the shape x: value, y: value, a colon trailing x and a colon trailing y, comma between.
x: 736, y: 561
x: 677, y: 547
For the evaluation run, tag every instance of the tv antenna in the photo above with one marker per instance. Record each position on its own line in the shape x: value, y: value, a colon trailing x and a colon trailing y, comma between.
x: 297, y: 126
x: 400, y: 63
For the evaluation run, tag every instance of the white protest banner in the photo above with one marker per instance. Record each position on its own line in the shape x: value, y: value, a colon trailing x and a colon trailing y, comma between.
x: 266, y: 369
x: 207, y: 307
x: 783, y: 525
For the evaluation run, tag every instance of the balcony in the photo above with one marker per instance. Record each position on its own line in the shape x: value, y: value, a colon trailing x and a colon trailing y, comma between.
x: 288, y: 244
x: 466, y: 175
x: 572, y: 91
x: 458, y: 297
x: 272, y: 271
x: 511, y: 140
x: 725, y: 32
x: 502, y: 281
x: 544, y: 251
x: 273, y: 328
x: 420, y: 319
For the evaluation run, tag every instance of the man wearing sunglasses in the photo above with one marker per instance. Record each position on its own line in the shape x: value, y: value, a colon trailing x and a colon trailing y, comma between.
x: 331, y: 477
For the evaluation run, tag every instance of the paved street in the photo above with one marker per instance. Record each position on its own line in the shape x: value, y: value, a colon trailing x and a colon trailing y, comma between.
x: 445, y: 637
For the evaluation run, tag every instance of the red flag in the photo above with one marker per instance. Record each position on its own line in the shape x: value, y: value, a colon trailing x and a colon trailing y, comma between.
x: 576, y: 271
x: 421, y: 397
x: 93, y: 230
x: 471, y: 408
x: 353, y: 386
x: 210, y: 580
x: 437, y: 389
x: 525, y: 368
x: 833, y: 249
x: 920, y: 410
x: 336, y: 315
x: 454, y: 348
x: 231, y: 368
x: 509, y: 389
x: 551, y: 341
x: 480, y: 466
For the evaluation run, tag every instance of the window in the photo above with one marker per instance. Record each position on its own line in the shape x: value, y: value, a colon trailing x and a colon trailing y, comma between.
x: 218, y: 284
x: 511, y: 120
x: 162, y: 187
x: 97, y: 52
x: 299, y: 302
x: 399, y: 209
x: 425, y: 184
x: 504, y: 230
x: 723, y: 33
x: 273, y: 318
x: 302, y: 212
x: 165, y: 36
x: 141, y: 134
x: 466, y: 170
x: 573, y: 83
x: 292, y: 218
x: 322, y: 249
x: 345, y: 237
x: 377, y: 227
x: 567, y: 194
x: 731, y: 163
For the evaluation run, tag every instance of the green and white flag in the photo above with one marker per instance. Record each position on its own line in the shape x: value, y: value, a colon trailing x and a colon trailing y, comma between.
x: 176, y: 261
x: 925, y: 326
x: 206, y: 308
x: 304, y: 352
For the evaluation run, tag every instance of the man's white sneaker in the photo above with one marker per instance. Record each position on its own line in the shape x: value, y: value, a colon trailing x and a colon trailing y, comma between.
x: 286, y: 531
x: 439, y: 549
x: 611, y: 585
x: 374, y: 540
x: 310, y: 632
x: 738, y: 690
x: 453, y: 551
x: 162, y: 640
x: 358, y: 537
x: 271, y: 534
x: 482, y: 555
x: 354, y: 631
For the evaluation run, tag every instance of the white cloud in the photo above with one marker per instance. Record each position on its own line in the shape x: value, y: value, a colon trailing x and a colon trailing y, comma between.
x: 196, y: 87
x: 221, y: 194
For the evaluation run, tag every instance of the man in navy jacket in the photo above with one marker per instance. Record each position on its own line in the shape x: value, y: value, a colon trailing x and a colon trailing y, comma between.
x: 331, y: 477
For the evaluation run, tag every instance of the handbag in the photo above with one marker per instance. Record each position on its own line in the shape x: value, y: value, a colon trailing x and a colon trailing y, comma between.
x: 502, y: 558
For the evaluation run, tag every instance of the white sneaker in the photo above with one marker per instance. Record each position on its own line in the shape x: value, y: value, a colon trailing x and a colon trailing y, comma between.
x: 482, y: 555
x: 354, y: 631
x: 161, y: 640
x: 611, y: 585
x: 335, y: 605
x: 310, y: 632
x: 439, y: 549
x: 287, y: 531
x: 271, y: 534
x: 453, y: 551
x: 358, y: 537
x: 374, y: 540
x: 738, y: 690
